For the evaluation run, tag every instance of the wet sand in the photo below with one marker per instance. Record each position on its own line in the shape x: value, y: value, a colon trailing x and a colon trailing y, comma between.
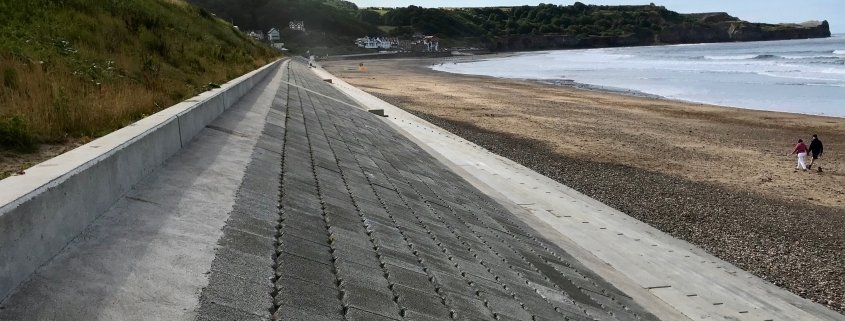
x: 715, y: 176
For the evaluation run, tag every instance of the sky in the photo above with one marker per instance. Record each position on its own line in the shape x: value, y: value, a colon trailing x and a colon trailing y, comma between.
x: 769, y: 11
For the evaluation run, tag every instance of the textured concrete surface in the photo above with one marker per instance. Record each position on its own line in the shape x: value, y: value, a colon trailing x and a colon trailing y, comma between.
x: 374, y: 228
x: 149, y: 256
x: 672, y: 278
x: 44, y: 209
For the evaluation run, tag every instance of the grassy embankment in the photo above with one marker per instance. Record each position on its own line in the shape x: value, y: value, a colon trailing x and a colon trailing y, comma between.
x: 73, y: 70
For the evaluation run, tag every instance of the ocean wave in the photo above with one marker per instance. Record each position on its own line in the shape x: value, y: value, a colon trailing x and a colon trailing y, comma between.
x: 825, y: 85
x: 829, y: 62
x: 744, y: 57
x: 811, y: 57
x: 739, y: 57
x: 814, y: 84
x: 839, y: 52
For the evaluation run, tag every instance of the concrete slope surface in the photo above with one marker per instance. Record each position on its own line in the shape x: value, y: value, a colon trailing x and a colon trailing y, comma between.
x: 383, y: 231
x: 672, y: 278
x: 374, y: 228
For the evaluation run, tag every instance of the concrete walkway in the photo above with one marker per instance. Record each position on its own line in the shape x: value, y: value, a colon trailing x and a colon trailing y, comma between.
x: 148, y: 257
x: 670, y: 277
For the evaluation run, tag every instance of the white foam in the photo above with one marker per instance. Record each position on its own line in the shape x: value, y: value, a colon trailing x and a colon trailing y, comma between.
x: 737, y: 57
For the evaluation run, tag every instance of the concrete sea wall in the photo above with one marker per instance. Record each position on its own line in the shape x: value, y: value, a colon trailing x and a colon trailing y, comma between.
x: 53, y: 202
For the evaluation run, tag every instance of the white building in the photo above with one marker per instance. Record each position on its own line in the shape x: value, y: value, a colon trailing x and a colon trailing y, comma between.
x: 273, y: 35
x: 255, y: 34
x: 377, y: 43
x: 297, y: 25
x: 431, y: 43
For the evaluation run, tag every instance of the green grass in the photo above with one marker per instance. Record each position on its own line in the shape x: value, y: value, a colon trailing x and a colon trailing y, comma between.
x: 83, y: 68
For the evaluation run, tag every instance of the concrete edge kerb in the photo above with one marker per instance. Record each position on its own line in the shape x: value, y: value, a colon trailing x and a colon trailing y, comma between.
x: 46, y: 208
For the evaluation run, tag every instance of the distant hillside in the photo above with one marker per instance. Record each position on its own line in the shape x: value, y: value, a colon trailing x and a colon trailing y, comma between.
x: 331, y: 23
x: 547, y: 26
x: 82, y: 68
x: 581, y: 26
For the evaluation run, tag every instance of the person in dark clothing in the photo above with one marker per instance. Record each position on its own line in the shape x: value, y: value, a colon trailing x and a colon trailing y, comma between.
x: 816, y: 150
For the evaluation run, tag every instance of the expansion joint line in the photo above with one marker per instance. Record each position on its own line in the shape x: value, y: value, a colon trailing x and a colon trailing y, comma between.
x: 332, y: 248
x: 293, y: 96
x: 344, y: 176
x: 274, y: 290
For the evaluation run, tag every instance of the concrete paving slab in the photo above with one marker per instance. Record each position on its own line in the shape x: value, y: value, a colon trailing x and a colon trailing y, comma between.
x: 357, y: 164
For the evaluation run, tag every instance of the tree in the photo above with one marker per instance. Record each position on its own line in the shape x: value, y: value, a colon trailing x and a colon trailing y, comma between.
x: 370, y: 16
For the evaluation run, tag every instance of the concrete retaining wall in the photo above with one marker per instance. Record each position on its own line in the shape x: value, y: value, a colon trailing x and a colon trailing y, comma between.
x: 53, y: 202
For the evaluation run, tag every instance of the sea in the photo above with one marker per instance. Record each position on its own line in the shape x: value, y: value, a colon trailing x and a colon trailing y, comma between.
x: 796, y: 76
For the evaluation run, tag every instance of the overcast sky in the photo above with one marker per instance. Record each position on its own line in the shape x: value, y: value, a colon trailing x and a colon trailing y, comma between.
x: 771, y: 11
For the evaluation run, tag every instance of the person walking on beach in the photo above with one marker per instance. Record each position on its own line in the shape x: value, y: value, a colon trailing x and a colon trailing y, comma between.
x: 816, y: 150
x: 801, y: 151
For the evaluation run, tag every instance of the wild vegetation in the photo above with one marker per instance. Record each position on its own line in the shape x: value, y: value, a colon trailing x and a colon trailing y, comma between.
x: 78, y: 69
x: 330, y: 23
x: 334, y: 24
x: 576, y: 20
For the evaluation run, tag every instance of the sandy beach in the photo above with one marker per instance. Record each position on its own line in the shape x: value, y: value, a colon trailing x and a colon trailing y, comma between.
x: 715, y: 176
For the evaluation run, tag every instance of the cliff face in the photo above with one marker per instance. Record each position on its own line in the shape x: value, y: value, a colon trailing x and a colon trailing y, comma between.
x: 726, y: 31
x: 700, y: 28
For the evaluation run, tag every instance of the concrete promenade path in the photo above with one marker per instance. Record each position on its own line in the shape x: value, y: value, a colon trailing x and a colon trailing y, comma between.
x: 298, y: 204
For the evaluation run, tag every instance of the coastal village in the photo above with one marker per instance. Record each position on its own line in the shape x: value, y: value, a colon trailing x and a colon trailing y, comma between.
x: 417, y: 43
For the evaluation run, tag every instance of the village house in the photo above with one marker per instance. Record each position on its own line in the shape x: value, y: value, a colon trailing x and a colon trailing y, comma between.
x: 297, y: 26
x: 273, y: 35
x: 255, y: 34
x: 422, y: 43
x: 377, y: 43
x: 431, y: 43
x: 417, y: 43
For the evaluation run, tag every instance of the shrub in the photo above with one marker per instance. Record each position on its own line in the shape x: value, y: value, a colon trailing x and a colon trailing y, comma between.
x: 14, y: 135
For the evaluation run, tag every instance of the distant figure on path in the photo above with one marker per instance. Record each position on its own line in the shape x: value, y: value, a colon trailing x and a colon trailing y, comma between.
x: 816, y: 150
x: 801, y: 150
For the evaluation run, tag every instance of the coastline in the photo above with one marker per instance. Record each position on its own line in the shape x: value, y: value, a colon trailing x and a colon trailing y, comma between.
x: 779, y: 78
x: 714, y: 176
x: 569, y: 83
